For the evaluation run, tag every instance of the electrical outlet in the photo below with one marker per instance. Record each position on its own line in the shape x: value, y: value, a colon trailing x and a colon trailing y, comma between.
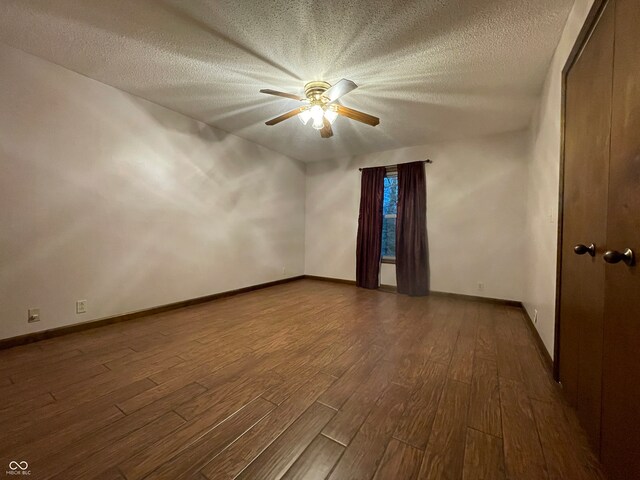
x: 480, y: 287
x: 535, y: 316
x: 34, y: 315
x: 81, y: 306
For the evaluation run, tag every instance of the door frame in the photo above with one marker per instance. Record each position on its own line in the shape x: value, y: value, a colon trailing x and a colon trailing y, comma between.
x: 585, y: 33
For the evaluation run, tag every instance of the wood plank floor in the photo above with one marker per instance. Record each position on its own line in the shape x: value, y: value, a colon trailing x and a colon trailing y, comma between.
x: 305, y: 380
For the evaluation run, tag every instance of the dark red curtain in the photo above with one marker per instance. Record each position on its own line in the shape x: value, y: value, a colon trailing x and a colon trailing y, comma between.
x: 412, y: 251
x: 369, y: 242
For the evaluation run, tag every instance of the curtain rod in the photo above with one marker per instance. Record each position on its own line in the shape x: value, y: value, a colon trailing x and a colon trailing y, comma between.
x: 396, y: 165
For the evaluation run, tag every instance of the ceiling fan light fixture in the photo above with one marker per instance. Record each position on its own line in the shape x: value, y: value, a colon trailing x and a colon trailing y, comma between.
x: 305, y: 116
x: 320, y: 106
x: 331, y: 114
x: 317, y: 114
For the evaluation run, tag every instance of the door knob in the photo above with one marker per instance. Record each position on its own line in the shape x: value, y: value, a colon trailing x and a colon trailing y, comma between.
x: 613, y: 256
x: 581, y: 249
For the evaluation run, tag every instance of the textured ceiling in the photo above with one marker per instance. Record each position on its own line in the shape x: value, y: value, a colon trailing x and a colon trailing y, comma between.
x: 432, y: 70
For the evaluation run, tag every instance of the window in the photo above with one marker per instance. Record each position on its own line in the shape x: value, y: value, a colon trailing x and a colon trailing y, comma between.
x: 389, y: 212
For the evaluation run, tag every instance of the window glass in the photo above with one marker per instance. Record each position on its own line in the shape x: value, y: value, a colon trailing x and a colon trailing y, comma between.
x: 389, y: 212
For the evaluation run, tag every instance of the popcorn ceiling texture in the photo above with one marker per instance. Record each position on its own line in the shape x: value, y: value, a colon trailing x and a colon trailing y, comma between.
x: 432, y: 70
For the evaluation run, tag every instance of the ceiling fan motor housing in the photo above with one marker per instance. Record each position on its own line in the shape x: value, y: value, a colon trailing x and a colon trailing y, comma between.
x: 314, y: 90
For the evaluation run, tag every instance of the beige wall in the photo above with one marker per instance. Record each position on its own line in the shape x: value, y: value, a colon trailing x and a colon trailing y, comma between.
x: 115, y: 200
x: 543, y: 187
x: 475, y: 214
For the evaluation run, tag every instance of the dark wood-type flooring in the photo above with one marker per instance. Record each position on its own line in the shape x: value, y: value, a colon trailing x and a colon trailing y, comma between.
x: 305, y: 380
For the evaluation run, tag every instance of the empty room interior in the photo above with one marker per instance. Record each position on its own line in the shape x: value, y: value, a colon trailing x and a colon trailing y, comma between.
x: 361, y: 240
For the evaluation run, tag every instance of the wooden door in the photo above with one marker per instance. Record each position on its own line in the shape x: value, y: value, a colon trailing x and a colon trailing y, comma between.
x: 586, y: 167
x: 620, y: 451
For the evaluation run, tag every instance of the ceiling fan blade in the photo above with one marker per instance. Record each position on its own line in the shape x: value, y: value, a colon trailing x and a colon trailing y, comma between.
x: 326, y: 131
x: 281, y: 94
x: 340, y: 89
x: 283, y: 117
x: 359, y: 116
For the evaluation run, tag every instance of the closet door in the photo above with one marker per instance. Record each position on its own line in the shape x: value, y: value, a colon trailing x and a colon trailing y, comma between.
x: 620, y: 451
x: 586, y: 172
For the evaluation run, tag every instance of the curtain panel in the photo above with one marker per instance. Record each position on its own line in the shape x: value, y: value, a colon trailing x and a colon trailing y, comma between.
x: 412, y: 250
x: 369, y: 240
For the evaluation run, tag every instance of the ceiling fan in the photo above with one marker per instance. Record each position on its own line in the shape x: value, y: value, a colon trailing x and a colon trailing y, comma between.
x: 321, y: 107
